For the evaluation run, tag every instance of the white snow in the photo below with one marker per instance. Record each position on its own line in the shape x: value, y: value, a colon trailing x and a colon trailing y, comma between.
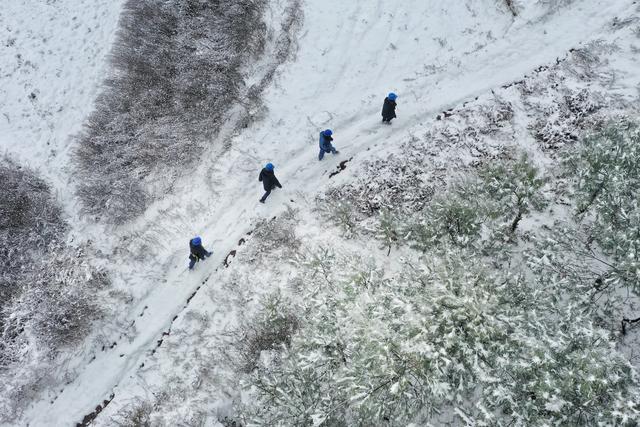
x: 52, y: 63
x: 435, y: 55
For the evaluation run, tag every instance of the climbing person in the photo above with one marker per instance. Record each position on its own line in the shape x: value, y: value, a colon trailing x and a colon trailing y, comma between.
x: 325, y: 143
x: 269, y: 180
x: 197, y: 251
x: 389, y: 108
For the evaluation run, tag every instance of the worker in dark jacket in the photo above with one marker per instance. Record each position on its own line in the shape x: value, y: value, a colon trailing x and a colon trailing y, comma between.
x: 269, y: 180
x: 197, y: 252
x: 325, y: 143
x: 389, y: 108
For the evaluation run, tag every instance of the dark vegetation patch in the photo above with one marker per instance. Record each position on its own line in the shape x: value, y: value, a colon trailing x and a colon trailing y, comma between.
x: 270, y: 329
x: 342, y: 166
x: 273, y: 236
x: 92, y: 416
x: 177, y: 71
x: 47, y: 289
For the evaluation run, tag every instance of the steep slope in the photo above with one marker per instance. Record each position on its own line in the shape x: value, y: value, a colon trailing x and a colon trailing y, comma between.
x: 348, y: 56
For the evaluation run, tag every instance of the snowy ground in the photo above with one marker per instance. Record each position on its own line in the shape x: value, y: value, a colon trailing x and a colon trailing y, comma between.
x: 52, y: 63
x: 436, y: 56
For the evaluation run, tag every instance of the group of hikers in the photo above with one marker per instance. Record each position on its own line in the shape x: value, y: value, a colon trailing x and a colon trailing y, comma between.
x: 270, y: 182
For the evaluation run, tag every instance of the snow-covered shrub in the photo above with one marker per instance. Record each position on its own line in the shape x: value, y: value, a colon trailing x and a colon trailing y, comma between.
x: 564, y: 253
x: 451, y: 218
x: 341, y: 213
x: 401, y: 183
x: 388, y: 229
x: 270, y: 329
x: 177, y: 69
x: 587, y: 62
x: 60, y: 300
x: 53, y: 312
x: 444, y: 337
x: 569, y: 115
x: 273, y: 236
x: 46, y: 288
x: 486, y: 118
x: 29, y: 222
x: 500, y: 192
x: 136, y: 414
x: 513, y: 189
x: 605, y: 170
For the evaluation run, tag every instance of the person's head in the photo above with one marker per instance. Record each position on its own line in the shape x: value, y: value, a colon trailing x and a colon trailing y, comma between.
x: 196, y: 240
x: 327, y: 132
x: 392, y: 96
x: 269, y: 167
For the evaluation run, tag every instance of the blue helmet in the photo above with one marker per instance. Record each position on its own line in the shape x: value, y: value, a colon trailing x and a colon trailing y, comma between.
x: 327, y: 132
x: 392, y: 96
x: 196, y: 241
x: 269, y: 166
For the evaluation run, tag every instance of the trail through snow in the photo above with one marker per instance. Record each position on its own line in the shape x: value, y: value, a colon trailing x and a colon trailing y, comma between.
x: 435, y: 55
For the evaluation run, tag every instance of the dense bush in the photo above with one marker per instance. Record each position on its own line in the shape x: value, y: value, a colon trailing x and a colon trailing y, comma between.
x: 177, y: 71
x: 596, y: 251
x: 443, y: 337
x: 29, y: 221
x: 513, y: 189
x: 274, y: 236
x: 271, y: 329
x: 397, y: 182
x: 495, y: 198
x: 46, y: 288
x: 607, y: 184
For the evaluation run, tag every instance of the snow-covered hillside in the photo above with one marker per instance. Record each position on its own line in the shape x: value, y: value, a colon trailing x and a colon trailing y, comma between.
x: 431, y: 272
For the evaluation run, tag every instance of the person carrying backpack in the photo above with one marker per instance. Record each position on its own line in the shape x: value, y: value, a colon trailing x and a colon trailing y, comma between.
x: 325, y: 143
x: 269, y: 180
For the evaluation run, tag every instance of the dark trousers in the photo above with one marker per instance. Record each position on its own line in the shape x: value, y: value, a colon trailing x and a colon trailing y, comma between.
x: 266, y: 194
x: 324, y: 150
x: 193, y: 259
x: 387, y: 119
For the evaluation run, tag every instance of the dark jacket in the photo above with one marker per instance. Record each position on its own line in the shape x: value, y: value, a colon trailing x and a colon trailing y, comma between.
x: 325, y: 142
x: 197, y: 251
x: 269, y: 180
x: 388, y: 109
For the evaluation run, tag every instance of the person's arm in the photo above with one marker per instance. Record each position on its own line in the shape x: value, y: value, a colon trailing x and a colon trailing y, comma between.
x: 277, y: 182
x: 260, y: 177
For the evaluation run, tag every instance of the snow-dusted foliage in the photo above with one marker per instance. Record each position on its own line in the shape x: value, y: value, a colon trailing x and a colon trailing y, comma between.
x: 513, y: 189
x: 274, y: 236
x: 30, y: 221
x: 442, y: 341
x: 607, y: 185
x: 463, y: 334
x: 399, y: 182
x: 47, y: 289
x: 597, y: 250
x: 449, y: 217
x: 177, y: 72
x: 271, y: 329
x: 499, y: 194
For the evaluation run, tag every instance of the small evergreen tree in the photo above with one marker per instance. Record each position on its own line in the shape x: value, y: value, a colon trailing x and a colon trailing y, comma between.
x: 514, y: 190
x: 606, y: 175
